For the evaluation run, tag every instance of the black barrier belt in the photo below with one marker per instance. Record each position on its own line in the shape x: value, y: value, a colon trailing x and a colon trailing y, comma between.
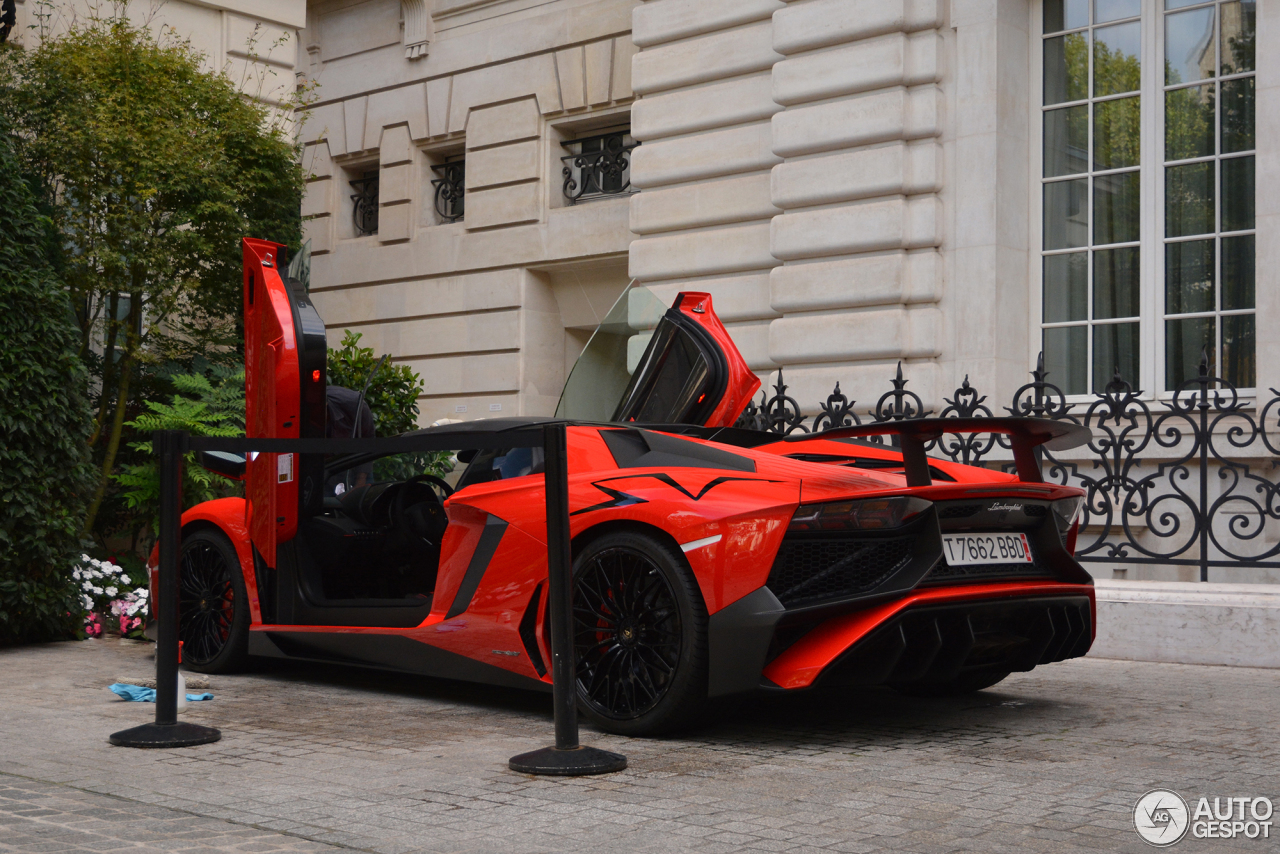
x: 515, y: 436
x: 530, y: 437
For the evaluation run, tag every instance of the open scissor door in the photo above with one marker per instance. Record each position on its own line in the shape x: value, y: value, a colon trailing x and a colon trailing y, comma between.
x: 284, y: 361
x: 689, y: 373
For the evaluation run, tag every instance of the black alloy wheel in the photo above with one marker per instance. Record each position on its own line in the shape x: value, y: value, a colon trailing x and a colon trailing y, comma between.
x: 213, y: 612
x: 639, y: 636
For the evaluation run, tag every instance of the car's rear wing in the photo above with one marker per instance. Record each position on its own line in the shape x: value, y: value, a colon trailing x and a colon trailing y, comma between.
x: 1025, y: 434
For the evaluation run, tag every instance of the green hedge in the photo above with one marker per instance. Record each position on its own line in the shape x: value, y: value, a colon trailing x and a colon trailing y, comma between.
x: 44, y: 424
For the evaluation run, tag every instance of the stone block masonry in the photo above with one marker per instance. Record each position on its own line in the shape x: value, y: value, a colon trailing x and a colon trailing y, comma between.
x: 487, y: 307
x: 792, y: 165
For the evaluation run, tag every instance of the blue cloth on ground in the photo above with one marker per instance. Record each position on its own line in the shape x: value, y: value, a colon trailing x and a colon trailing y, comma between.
x: 138, y: 694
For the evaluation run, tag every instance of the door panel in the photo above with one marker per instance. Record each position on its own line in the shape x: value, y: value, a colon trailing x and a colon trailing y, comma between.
x: 271, y: 398
x: 285, y: 351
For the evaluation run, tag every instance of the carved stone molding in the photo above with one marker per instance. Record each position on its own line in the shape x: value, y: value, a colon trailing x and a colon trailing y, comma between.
x: 417, y: 28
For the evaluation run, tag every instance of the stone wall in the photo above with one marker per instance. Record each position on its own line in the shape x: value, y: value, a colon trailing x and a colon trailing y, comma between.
x: 491, y: 309
x: 792, y: 166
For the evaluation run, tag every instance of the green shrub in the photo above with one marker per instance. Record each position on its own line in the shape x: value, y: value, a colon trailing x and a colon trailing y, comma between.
x: 45, y: 477
x: 393, y: 392
x: 393, y: 400
x: 208, y: 403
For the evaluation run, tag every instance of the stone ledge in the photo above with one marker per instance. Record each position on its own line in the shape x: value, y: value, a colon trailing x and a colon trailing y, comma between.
x: 1188, y: 622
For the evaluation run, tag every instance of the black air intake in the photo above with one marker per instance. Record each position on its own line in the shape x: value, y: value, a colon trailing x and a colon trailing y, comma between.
x: 809, y: 571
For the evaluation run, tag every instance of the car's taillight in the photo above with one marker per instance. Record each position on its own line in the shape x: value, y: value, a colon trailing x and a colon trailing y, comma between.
x: 872, y: 514
x: 1065, y: 511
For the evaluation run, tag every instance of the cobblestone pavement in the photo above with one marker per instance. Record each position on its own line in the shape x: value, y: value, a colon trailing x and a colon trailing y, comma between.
x: 318, y: 758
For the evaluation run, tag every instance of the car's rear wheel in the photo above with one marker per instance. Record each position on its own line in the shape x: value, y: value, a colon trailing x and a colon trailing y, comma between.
x: 640, y: 630
x: 213, y: 610
x: 965, y: 683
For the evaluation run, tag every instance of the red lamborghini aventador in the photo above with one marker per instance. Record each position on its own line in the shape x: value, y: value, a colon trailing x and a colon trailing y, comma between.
x: 708, y: 561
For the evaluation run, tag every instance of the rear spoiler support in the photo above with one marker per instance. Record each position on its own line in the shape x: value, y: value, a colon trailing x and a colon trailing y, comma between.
x: 1026, y: 434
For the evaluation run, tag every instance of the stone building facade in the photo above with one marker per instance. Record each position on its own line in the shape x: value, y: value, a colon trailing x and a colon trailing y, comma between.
x: 491, y: 306
x: 956, y: 185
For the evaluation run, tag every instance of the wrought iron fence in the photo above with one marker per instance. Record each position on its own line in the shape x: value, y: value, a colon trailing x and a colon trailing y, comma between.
x: 1149, y: 474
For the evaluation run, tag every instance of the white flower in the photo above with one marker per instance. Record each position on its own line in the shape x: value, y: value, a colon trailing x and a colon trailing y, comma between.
x: 86, y: 602
x: 97, y: 591
x: 87, y: 586
x: 142, y: 593
x: 112, y: 591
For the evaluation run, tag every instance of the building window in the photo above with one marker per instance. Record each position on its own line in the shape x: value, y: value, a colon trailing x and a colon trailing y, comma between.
x: 598, y: 166
x: 1145, y: 265
x: 450, y: 188
x: 1092, y: 191
x: 364, y: 203
x: 1208, y: 190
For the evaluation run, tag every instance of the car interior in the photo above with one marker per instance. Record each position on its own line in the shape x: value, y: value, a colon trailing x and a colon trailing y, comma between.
x: 377, y: 537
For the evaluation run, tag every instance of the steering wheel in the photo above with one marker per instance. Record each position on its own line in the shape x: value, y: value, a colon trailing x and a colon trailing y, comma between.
x: 434, y: 481
x: 429, y: 523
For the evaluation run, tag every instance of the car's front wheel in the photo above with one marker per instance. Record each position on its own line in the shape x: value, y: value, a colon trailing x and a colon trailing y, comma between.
x: 213, y: 610
x: 640, y: 629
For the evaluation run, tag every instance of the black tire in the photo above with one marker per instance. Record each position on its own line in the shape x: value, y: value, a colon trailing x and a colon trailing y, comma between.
x: 640, y: 629
x: 965, y: 683
x: 213, y: 609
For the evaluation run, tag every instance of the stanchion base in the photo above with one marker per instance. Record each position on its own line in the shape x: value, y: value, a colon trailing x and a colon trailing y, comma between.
x: 180, y: 734
x: 578, y: 762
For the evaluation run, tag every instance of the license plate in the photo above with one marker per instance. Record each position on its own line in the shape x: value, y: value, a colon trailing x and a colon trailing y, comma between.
x: 967, y: 549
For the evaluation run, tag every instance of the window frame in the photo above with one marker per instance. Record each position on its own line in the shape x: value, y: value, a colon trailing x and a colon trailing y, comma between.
x: 1150, y: 275
x: 1217, y: 234
x: 1151, y: 230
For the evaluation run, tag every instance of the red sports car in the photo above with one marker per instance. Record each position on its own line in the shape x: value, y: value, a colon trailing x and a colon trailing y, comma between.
x: 708, y: 560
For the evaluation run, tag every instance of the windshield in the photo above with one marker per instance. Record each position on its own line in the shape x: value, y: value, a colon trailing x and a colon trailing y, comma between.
x: 603, y: 371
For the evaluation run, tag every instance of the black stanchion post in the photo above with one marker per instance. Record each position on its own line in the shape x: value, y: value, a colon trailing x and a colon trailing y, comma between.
x: 167, y: 730
x: 567, y: 758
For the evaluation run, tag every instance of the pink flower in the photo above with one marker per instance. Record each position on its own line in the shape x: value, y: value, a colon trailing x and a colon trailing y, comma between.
x: 92, y: 626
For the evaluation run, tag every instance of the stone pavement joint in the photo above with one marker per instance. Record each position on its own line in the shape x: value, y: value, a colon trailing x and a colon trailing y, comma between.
x: 318, y: 758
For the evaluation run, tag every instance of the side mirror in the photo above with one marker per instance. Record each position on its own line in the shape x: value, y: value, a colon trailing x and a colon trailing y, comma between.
x: 222, y: 462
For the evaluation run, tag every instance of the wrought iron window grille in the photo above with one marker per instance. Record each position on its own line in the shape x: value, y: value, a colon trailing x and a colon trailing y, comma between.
x: 1164, y: 486
x: 451, y: 189
x: 364, y: 207
x: 598, y: 166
